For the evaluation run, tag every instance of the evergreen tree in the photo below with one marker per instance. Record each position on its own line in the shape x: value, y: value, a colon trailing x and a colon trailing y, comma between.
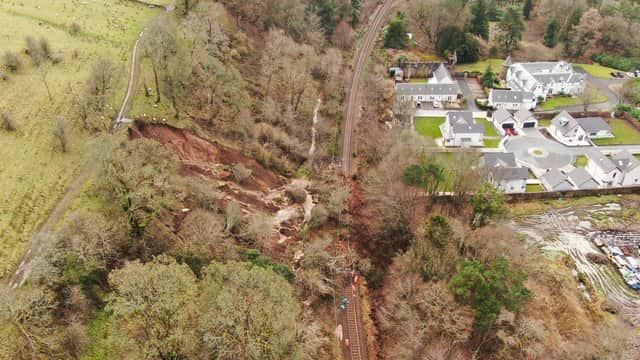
x: 550, y: 36
x: 488, y: 78
x: 396, y: 35
x: 526, y: 10
x: 479, y: 23
x: 511, y: 28
x: 452, y: 38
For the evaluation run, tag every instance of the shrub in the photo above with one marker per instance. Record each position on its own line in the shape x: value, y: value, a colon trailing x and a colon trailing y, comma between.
x: 8, y: 121
x: 241, y: 172
x: 319, y: 216
x: 616, y: 62
x: 75, y: 28
x: 45, y: 48
x: 57, y: 59
x: 33, y: 50
x: 297, y: 194
x: 4, y: 76
x: 12, y: 61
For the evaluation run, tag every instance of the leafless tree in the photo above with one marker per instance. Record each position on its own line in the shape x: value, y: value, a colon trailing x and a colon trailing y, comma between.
x: 60, y: 132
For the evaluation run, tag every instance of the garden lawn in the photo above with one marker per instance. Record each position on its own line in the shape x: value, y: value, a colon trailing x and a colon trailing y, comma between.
x: 429, y: 126
x: 544, y: 123
x: 491, y: 143
x: 418, y: 80
x: 481, y: 66
x: 489, y: 129
x: 564, y: 101
x: 581, y: 161
x: 33, y: 177
x: 624, y: 134
x: 533, y: 188
x: 598, y: 70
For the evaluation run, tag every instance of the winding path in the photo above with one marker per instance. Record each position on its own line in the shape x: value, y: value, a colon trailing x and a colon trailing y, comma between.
x: 352, y: 104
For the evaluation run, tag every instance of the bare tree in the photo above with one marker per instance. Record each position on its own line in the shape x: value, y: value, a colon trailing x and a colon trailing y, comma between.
x: 8, y: 121
x: 60, y: 134
x: 588, y: 96
x: 12, y: 61
x: 102, y: 77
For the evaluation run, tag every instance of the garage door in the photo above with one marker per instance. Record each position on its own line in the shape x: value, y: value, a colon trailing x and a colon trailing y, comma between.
x: 529, y: 125
x: 507, y: 126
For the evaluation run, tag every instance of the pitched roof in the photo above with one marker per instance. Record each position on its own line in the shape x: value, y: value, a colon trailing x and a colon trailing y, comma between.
x: 501, y: 116
x: 593, y: 124
x: 625, y: 161
x: 523, y: 115
x: 508, y: 61
x: 462, y: 122
x: 600, y: 160
x: 509, y: 173
x: 427, y: 89
x: 556, y: 180
x: 441, y: 74
x: 509, y: 96
x: 495, y: 159
x: 564, y: 122
x: 582, y: 179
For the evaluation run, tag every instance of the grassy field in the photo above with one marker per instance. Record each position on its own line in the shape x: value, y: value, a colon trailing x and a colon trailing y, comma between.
x: 429, y: 126
x: 581, y: 161
x: 489, y: 129
x: 598, y: 70
x: 624, y: 134
x: 481, y: 66
x: 563, y: 101
x: 33, y: 177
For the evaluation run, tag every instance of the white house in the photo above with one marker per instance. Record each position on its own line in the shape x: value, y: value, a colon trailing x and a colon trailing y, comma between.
x: 504, y: 173
x: 503, y: 120
x: 441, y: 76
x: 525, y: 119
x: 567, y: 130
x: 441, y: 87
x: 461, y: 130
x: 511, y: 99
x: 555, y: 180
x: 603, y: 169
x: 545, y: 78
x: 630, y: 167
x: 582, y: 180
x: 595, y: 127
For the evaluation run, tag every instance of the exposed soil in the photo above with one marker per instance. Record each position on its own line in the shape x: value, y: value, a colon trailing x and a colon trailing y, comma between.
x: 211, y: 159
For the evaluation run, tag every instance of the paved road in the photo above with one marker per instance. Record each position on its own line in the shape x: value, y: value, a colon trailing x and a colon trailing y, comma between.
x: 603, y: 86
x: 468, y: 94
x: 353, y: 97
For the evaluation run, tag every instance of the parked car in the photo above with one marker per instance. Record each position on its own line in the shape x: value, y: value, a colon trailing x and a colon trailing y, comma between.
x: 436, y: 104
x: 617, y: 74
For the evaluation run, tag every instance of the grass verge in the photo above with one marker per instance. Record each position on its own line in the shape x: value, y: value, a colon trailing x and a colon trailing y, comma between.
x: 581, y: 161
x: 598, y: 70
x: 533, y: 188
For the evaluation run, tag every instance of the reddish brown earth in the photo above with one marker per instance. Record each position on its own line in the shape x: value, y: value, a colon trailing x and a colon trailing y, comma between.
x: 208, y: 158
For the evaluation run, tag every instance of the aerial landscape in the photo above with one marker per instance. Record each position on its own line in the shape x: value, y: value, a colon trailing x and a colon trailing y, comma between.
x: 320, y: 179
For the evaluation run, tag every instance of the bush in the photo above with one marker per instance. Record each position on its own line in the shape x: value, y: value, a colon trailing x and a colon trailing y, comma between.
x: 57, y: 59
x: 241, y: 172
x: 8, y: 121
x: 616, y: 62
x: 4, y: 76
x: 75, y: 28
x: 297, y: 194
x: 319, y: 216
x: 12, y: 61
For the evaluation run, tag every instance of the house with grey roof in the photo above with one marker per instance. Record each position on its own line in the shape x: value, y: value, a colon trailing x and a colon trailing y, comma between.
x: 498, y: 159
x: 441, y: 87
x: 603, y: 169
x: 504, y: 173
x: 511, y: 99
x: 503, y: 120
x: 555, y: 180
x: 525, y: 119
x: 630, y: 167
x: 582, y: 180
x: 567, y: 130
x: 595, y: 127
x: 545, y: 78
x: 460, y: 129
x: 441, y: 76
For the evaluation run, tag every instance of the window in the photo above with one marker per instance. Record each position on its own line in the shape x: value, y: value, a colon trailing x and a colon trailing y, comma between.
x: 614, y: 175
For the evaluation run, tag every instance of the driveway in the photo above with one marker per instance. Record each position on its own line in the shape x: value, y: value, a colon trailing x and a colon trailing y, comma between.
x: 468, y: 94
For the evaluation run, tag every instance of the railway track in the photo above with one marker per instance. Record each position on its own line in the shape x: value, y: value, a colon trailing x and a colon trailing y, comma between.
x: 353, y: 97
